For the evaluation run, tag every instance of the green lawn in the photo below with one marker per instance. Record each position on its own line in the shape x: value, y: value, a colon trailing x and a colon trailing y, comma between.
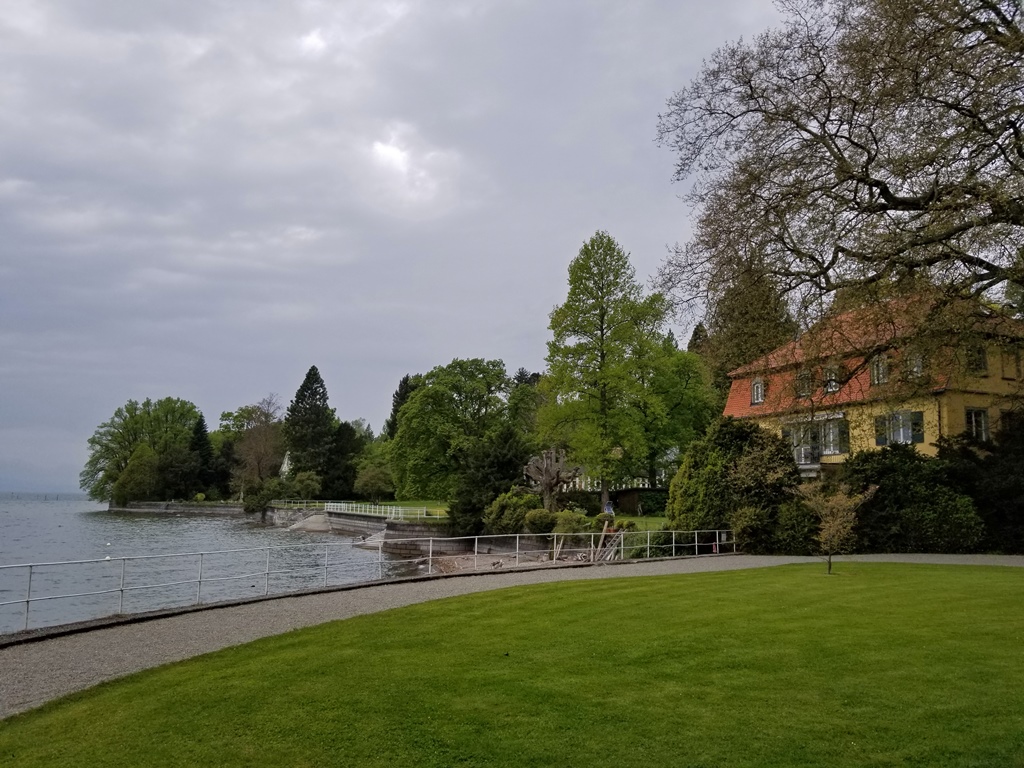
x: 878, y: 665
x: 646, y: 523
x: 433, y: 506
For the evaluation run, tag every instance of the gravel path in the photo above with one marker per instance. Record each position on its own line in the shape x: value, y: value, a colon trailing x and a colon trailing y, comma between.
x: 33, y: 673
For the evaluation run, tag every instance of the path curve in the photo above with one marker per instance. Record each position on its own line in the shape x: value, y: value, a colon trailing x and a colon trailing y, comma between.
x: 32, y: 674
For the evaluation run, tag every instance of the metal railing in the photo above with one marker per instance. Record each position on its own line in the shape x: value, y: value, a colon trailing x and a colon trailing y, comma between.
x: 378, y: 510
x: 451, y: 554
x: 182, y: 577
x: 187, y: 574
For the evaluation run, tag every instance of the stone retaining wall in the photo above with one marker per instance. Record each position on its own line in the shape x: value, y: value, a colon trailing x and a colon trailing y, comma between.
x: 178, y: 507
x: 353, y: 524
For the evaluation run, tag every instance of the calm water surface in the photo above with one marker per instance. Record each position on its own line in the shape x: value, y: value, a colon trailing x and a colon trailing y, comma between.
x: 48, y: 529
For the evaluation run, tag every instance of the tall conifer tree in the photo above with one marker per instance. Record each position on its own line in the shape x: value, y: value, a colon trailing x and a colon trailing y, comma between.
x: 309, y: 426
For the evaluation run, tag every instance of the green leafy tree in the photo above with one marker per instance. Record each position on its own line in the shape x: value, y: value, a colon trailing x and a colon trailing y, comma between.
x: 309, y: 426
x: 164, y: 425
x: 257, y: 435
x: 455, y: 407
x: 675, y: 406
x: 591, y: 390
x: 306, y: 485
x: 140, y: 479
x: 373, y: 478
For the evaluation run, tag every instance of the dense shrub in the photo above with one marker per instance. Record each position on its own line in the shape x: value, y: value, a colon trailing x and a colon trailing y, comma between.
x: 258, y: 501
x: 754, y: 529
x: 914, y: 508
x: 992, y: 475
x: 572, y: 521
x: 795, y: 529
x: 541, y: 521
x: 736, y: 464
x: 507, y: 513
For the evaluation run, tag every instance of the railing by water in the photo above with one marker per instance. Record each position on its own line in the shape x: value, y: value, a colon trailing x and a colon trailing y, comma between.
x: 195, y: 578
x: 388, y: 511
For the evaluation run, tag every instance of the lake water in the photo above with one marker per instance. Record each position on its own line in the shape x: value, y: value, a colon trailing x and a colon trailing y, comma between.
x: 38, y: 528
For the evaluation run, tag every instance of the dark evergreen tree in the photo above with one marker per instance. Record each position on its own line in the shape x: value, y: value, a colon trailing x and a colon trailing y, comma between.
x: 748, y: 318
x: 406, y: 387
x: 525, y: 377
x: 342, y: 462
x: 698, y: 339
x: 202, y: 452
x: 309, y: 426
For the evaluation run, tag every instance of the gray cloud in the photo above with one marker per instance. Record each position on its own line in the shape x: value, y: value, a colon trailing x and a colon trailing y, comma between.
x: 200, y: 200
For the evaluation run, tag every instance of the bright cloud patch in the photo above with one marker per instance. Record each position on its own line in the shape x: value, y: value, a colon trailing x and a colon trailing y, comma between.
x: 313, y: 44
x: 411, y: 178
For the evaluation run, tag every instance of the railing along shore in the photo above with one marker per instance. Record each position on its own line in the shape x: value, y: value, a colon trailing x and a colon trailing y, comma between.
x: 153, y: 582
x: 388, y: 511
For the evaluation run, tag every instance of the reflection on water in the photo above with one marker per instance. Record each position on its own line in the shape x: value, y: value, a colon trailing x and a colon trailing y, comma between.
x: 157, y: 549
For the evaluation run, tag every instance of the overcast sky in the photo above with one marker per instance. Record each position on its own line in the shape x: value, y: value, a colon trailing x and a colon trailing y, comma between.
x: 202, y: 198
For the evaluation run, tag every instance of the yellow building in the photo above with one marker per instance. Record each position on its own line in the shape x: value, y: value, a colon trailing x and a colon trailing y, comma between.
x: 859, y: 382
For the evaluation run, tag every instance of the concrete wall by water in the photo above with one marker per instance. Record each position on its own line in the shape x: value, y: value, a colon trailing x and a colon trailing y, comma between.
x: 178, y: 507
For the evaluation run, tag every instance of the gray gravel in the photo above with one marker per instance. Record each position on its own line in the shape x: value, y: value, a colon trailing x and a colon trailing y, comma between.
x: 33, y: 673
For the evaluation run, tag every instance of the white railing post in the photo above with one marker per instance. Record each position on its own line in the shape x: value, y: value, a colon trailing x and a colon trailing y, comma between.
x: 380, y: 559
x: 430, y: 556
x: 696, y: 548
x: 28, y: 596
x: 673, y: 543
x: 648, y: 543
x: 327, y: 556
x: 120, y: 599
x: 266, y: 589
x: 476, y: 553
x: 517, y: 550
x: 199, y: 581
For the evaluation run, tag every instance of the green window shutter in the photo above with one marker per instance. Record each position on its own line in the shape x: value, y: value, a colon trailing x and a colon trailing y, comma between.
x: 844, y: 436
x: 917, y: 426
x: 881, y: 430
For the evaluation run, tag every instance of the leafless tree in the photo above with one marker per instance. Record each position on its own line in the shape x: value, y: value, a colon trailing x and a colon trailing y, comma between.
x: 863, y: 143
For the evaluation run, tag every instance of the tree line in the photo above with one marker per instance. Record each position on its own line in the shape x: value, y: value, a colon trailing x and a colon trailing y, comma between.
x: 618, y: 397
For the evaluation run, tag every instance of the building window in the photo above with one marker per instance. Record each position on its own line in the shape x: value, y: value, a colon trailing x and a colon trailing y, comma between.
x: 835, y: 437
x: 900, y: 427
x: 879, y: 370
x: 804, y: 384
x: 977, y: 423
x: 831, y: 379
x: 913, y: 364
x: 757, y: 389
x: 813, y: 439
x: 977, y: 360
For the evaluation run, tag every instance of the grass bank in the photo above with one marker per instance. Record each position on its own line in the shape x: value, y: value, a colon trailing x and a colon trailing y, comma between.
x: 882, y: 665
